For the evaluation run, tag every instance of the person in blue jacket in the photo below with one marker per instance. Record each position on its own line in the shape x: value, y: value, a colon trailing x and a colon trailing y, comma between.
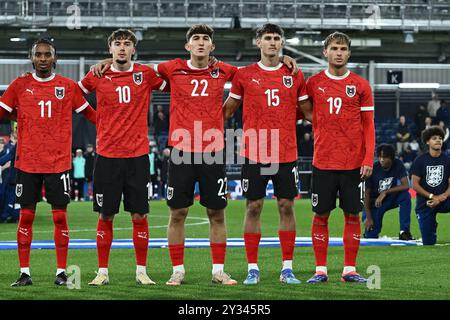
x: 9, y: 210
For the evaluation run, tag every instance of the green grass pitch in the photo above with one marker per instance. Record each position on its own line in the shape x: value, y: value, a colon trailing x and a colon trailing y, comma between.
x: 406, y: 272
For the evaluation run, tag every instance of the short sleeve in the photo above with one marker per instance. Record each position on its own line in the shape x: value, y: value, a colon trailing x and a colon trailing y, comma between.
x: 157, y: 83
x: 8, y: 100
x: 302, y: 92
x: 401, y: 170
x: 88, y: 83
x: 416, y: 167
x: 231, y: 71
x: 367, y: 103
x: 79, y: 102
x: 309, y: 88
x: 164, y: 69
x: 237, y: 90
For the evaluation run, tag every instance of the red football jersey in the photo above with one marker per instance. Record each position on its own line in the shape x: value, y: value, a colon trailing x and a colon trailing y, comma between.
x: 270, y: 97
x: 123, y: 100
x: 196, y: 99
x: 44, y: 121
x: 337, y: 106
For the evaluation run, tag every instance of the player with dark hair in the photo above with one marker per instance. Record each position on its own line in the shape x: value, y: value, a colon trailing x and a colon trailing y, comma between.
x: 196, y: 132
x: 44, y: 102
x: 386, y: 189
x: 342, y: 113
x: 122, y: 164
x: 431, y: 180
x: 270, y: 95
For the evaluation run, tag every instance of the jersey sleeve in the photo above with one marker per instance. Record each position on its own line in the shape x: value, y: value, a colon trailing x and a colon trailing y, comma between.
x: 231, y: 71
x: 237, y: 89
x: 88, y: 83
x: 164, y: 69
x: 402, y: 170
x: 8, y: 100
x: 79, y: 103
x: 157, y: 83
x: 302, y: 92
x: 309, y: 88
x: 367, y: 103
x: 416, y: 167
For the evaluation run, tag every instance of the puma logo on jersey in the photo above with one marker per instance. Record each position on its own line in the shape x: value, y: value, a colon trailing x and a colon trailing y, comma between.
x: 183, y: 72
x: 257, y: 81
x: 321, y: 89
x: 108, y: 78
x: 30, y: 91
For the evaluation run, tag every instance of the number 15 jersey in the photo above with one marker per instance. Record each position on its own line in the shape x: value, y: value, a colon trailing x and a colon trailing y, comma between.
x: 338, y: 103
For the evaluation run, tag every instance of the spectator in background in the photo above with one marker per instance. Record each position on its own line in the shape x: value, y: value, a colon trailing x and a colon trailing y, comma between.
x: 408, y: 157
x: 9, y: 209
x: 428, y: 123
x: 89, y: 155
x: 161, y: 129
x: 164, y: 166
x: 403, y: 135
x: 153, y: 159
x: 433, y: 105
x: 442, y: 125
x: 79, y: 164
x: 442, y: 114
x: 419, y: 119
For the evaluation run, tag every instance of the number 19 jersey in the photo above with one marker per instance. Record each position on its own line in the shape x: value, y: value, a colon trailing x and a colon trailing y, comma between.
x: 338, y: 103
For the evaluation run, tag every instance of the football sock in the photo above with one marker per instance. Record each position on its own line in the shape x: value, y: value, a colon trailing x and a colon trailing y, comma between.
x: 179, y: 268
x: 141, y: 269
x: 251, y: 241
x: 59, y: 270
x: 103, y: 270
x: 176, y: 252
x: 217, y: 268
x: 61, y: 235
x: 287, y: 243
x: 25, y: 270
x: 351, y: 239
x: 218, y: 251
x: 140, y: 240
x: 253, y: 266
x: 320, y: 238
x: 25, y: 236
x: 104, y: 241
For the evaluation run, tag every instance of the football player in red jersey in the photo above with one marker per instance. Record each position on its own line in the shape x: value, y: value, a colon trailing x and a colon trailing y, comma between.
x: 270, y: 96
x: 44, y: 102
x: 196, y: 132
x: 122, y: 163
x: 344, y: 142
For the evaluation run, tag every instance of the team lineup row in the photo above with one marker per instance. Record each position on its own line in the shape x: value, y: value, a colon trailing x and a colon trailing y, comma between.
x: 274, y: 95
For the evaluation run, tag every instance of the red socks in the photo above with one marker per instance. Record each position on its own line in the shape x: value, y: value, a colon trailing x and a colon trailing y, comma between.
x: 352, y: 235
x: 61, y: 235
x: 251, y: 241
x: 140, y: 240
x: 218, y: 251
x: 320, y: 238
x: 176, y: 252
x: 287, y: 243
x: 25, y: 236
x: 104, y: 241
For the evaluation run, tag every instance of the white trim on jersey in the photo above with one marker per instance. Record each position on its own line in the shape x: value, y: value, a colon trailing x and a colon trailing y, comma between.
x: 84, y: 106
x: 163, y: 85
x: 372, y: 108
x: 303, y: 98
x: 43, y: 79
x: 329, y: 75
x: 80, y: 84
x: 235, y: 96
x: 155, y: 68
x: 260, y: 64
x: 129, y: 70
x: 195, y: 68
x: 6, y: 107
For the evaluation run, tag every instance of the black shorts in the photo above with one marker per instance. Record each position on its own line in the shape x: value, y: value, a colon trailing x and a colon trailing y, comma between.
x: 211, y: 178
x: 29, y: 188
x: 254, y: 181
x: 116, y: 176
x: 327, y: 184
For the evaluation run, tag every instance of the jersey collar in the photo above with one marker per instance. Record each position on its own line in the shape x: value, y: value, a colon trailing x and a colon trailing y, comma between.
x: 43, y: 79
x: 129, y: 70
x: 189, y: 63
x: 262, y: 66
x: 329, y: 75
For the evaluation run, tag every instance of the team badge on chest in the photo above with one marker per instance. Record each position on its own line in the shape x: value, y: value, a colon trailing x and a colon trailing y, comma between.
x: 138, y: 77
x: 59, y: 92
x: 350, y: 91
x: 215, y: 73
x: 435, y: 174
x: 287, y: 81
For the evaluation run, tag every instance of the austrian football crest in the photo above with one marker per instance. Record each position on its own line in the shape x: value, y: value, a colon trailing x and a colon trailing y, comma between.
x: 435, y: 175
x: 350, y: 91
x: 287, y: 81
x: 19, y: 189
x: 59, y: 92
x: 137, y: 77
x: 169, y: 193
x: 99, y: 199
x: 245, y: 185
x: 314, y: 199
x: 215, y: 73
